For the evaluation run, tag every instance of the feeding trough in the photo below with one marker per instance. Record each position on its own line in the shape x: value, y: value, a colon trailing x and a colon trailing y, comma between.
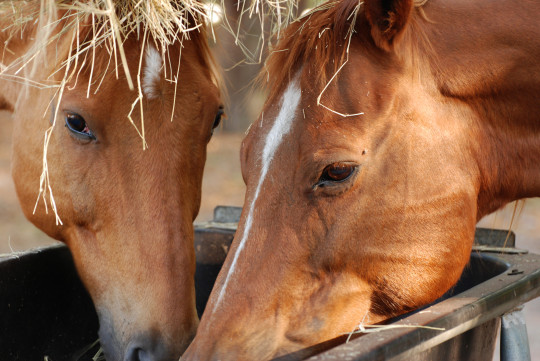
x: 46, y: 312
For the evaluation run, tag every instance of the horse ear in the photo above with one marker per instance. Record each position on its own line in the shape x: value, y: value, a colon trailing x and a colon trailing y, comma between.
x: 388, y: 19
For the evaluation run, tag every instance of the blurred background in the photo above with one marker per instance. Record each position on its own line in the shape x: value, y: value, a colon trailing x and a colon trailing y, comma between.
x: 222, y: 183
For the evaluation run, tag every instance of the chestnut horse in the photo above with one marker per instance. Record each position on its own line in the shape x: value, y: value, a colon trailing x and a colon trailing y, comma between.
x: 365, y: 181
x: 125, y: 213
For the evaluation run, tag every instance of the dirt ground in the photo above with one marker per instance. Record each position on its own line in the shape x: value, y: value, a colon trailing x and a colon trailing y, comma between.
x: 223, y: 185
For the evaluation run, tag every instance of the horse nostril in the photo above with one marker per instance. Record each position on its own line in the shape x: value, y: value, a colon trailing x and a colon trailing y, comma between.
x: 148, y: 351
x: 138, y: 354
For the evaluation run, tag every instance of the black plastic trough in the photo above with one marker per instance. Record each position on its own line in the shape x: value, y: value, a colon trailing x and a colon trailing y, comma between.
x: 44, y: 310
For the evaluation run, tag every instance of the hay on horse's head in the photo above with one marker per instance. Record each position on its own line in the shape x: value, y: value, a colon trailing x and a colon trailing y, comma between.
x: 164, y: 21
x: 112, y: 21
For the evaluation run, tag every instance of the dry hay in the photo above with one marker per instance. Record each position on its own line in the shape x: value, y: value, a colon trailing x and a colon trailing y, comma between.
x: 271, y: 15
x: 164, y: 21
x: 362, y: 328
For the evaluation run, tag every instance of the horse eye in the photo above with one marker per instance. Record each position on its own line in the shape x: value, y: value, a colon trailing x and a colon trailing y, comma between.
x: 77, y: 126
x: 217, y: 119
x: 337, y: 172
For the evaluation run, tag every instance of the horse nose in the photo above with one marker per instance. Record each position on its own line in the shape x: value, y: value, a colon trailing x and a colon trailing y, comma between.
x: 139, y: 354
x: 142, y: 348
x: 150, y: 345
x: 146, y: 351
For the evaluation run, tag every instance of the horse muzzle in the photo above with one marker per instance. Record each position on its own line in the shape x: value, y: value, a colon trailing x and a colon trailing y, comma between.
x: 140, y: 345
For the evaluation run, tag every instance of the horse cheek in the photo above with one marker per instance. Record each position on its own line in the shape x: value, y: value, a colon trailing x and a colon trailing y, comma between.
x: 27, y: 164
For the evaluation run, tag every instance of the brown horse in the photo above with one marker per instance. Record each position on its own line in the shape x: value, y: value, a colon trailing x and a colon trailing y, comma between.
x: 390, y: 129
x: 125, y: 213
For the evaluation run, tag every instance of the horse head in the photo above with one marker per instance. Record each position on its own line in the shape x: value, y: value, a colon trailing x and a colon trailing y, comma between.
x: 366, y: 174
x: 125, y: 192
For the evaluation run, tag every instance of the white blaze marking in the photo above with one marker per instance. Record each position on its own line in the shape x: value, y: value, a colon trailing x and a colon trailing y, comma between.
x: 282, y: 126
x: 152, y: 72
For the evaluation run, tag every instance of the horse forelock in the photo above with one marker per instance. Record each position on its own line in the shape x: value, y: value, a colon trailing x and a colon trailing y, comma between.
x: 319, y: 39
x: 316, y: 39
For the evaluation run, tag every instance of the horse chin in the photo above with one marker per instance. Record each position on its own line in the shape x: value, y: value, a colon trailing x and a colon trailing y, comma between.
x: 138, y: 345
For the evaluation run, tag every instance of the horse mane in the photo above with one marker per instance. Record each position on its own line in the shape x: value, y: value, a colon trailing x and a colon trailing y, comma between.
x: 319, y: 38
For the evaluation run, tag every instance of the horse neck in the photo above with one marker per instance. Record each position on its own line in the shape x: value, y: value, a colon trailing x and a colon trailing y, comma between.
x: 484, y: 64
